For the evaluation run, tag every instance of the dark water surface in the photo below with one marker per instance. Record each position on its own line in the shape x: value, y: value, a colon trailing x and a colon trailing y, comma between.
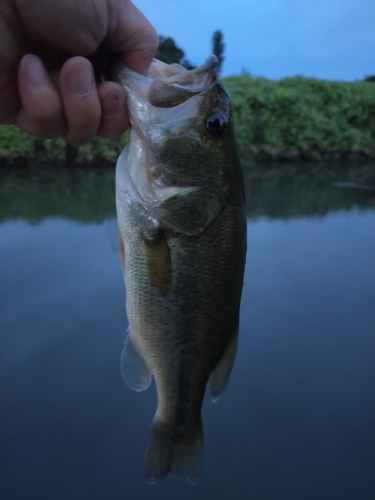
x: 297, y: 421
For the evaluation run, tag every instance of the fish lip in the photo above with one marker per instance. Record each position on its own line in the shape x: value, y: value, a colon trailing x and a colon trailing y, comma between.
x: 195, y: 81
x: 210, y: 66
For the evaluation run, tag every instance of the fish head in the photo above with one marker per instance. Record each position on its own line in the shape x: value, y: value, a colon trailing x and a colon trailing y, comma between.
x: 182, y: 120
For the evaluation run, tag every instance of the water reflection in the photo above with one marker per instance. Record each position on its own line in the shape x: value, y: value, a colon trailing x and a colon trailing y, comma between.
x: 297, y: 419
x: 86, y: 195
x: 80, y: 194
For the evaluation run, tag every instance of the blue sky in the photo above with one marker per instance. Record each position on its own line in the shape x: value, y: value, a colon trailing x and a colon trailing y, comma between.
x: 330, y: 39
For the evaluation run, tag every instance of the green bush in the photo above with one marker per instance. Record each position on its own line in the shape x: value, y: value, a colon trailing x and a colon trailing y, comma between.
x: 293, y: 118
x: 17, y: 147
x: 303, y: 118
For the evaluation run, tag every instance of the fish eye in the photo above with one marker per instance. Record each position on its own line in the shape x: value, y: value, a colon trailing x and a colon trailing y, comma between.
x: 216, y: 124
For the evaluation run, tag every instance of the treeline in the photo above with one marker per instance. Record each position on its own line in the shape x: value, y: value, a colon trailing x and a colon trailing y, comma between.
x: 169, y: 52
x: 290, y: 119
x: 19, y: 148
x: 303, y: 118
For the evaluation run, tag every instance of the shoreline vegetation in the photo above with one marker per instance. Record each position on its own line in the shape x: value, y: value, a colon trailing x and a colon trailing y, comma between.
x: 291, y: 119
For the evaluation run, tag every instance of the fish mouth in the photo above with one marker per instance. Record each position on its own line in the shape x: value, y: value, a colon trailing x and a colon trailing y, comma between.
x: 176, y: 73
x: 174, y: 84
x: 168, y: 85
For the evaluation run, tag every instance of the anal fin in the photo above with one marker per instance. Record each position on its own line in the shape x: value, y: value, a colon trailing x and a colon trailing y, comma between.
x: 134, y: 370
x: 220, y: 375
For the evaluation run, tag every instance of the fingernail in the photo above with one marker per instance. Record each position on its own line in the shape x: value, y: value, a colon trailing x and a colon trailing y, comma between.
x: 34, y: 71
x: 113, y: 105
x: 80, y: 79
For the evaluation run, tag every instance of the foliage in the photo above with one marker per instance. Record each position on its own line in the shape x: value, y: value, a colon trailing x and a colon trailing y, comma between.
x: 303, y: 118
x: 169, y: 53
x: 291, y: 119
x: 18, y: 148
x: 218, y: 46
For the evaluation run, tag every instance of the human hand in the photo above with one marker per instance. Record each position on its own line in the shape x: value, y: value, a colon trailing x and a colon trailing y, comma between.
x: 47, y: 83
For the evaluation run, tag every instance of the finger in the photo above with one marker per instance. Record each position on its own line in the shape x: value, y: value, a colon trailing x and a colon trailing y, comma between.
x: 134, y: 37
x: 41, y: 113
x: 80, y: 100
x: 114, y: 119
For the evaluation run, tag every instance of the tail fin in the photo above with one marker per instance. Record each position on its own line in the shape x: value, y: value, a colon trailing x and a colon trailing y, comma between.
x: 178, y: 455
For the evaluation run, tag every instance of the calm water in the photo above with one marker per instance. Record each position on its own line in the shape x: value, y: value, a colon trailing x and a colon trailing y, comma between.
x: 297, y: 421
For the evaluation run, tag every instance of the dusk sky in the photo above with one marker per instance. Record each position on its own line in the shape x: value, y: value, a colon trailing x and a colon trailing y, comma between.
x: 329, y: 39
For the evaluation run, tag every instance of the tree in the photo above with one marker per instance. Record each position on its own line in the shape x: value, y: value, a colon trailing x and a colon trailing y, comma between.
x: 218, y: 46
x: 169, y: 53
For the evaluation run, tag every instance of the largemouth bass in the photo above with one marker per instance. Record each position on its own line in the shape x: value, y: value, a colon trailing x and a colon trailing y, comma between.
x: 182, y: 235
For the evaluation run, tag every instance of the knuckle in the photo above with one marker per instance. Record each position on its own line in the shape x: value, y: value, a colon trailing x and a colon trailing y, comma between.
x: 82, y: 125
x: 47, y: 129
x: 153, y: 40
x: 46, y: 118
x: 77, y: 136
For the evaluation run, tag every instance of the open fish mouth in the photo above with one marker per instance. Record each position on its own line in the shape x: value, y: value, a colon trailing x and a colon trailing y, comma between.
x: 174, y: 84
x: 168, y: 85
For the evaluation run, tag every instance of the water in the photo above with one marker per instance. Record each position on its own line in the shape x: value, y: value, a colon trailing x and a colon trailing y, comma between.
x: 297, y: 421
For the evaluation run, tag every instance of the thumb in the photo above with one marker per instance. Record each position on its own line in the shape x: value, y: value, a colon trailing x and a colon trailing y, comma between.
x: 132, y: 36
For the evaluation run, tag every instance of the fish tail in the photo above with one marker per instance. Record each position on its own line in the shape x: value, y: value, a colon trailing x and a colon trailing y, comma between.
x: 178, y: 455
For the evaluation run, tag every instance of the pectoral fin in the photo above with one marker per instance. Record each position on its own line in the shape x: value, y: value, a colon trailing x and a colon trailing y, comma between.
x: 220, y: 375
x: 159, y: 264
x: 135, y: 371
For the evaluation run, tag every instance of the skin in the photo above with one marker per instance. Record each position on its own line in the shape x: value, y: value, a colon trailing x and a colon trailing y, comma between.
x: 47, y: 82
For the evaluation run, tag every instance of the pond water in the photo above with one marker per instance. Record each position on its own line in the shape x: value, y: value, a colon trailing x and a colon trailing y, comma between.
x: 297, y: 421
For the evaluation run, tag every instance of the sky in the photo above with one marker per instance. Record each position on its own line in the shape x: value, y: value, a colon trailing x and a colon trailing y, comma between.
x: 328, y: 39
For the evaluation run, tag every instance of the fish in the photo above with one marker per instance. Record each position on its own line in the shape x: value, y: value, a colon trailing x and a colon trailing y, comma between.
x: 182, y: 238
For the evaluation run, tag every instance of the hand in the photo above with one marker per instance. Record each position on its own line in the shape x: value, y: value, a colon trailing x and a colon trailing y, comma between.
x: 47, y: 83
